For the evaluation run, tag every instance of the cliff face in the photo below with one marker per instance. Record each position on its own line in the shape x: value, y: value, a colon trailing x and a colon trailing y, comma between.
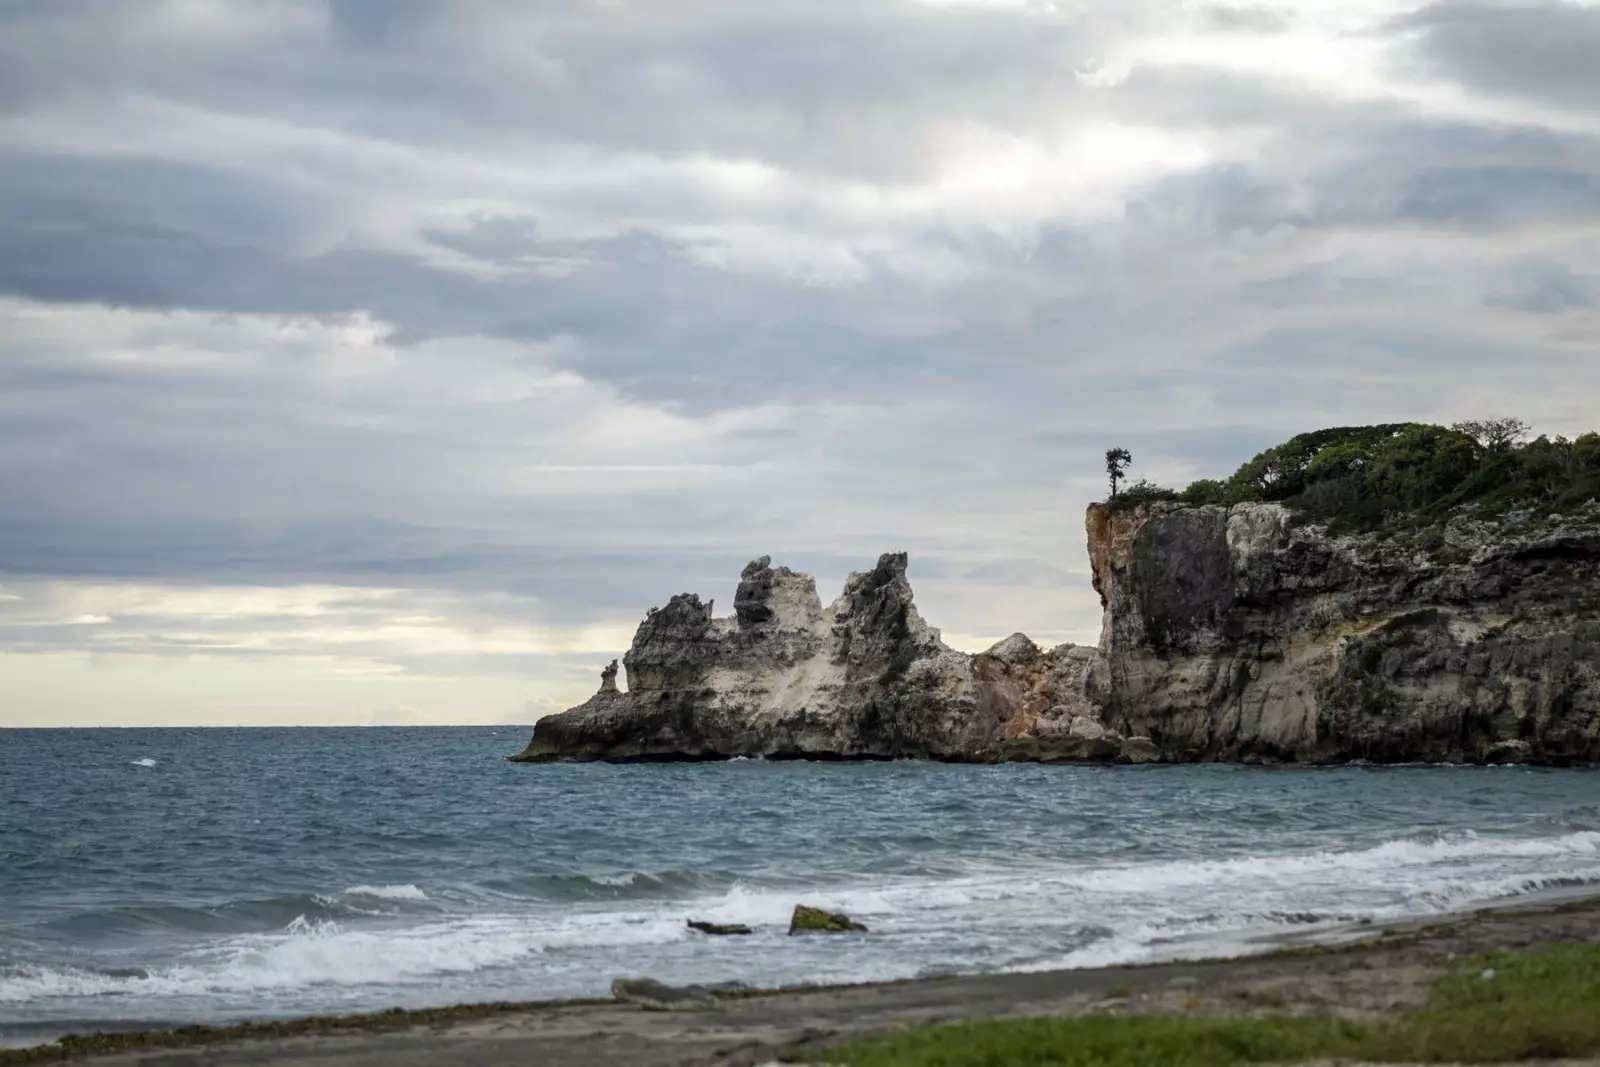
x: 1235, y: 634
x: 1228, y: 634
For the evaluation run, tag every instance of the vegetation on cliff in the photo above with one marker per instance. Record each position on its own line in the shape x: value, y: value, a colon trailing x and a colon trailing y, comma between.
x: 1362, y: 478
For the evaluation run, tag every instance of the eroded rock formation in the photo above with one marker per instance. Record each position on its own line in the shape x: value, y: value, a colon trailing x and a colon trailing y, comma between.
x: 865, y: 678
x: 1228, y: 634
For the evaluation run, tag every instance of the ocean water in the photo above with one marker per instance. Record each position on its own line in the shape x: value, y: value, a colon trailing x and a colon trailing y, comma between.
x: 180, y: 875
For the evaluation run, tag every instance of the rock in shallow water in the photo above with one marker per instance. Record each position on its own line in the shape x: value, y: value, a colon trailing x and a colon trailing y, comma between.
x: 808, y: 920
x: 719, y: 929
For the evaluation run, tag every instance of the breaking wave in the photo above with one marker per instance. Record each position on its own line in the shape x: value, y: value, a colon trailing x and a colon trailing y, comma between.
x: 387, y: 892
x: 321, y: 953
x: 1076, y: 917
x: 615, y: 885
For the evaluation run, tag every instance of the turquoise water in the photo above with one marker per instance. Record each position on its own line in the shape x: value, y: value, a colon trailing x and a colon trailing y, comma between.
x: 179, y: 875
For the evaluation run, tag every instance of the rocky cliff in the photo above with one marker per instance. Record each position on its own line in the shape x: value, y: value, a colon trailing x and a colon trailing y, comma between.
x: 1239, y: 634
x: 1228, y: 634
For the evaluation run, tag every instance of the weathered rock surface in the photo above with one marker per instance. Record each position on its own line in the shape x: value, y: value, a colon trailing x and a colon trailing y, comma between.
x: 866, y: 678
x: 1228, y: 634
x: 1237, y: 634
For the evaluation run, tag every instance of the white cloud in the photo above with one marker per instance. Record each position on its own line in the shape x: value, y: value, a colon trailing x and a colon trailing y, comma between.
x: 1105, y: 74
x: 400, y: 716
x: 1041, y: 7
x: 362, y: 624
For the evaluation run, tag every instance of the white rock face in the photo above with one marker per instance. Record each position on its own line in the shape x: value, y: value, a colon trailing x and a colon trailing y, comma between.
x: 866, y: 677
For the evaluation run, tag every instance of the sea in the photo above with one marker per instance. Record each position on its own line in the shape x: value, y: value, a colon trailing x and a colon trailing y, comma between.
x: 174, y: 876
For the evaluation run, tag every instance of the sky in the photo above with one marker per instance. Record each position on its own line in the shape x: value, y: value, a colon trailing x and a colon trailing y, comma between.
x: 382, y: 361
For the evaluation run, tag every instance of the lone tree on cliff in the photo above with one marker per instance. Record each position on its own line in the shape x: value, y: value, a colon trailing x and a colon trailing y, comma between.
x: 1117, y: 462
x: 1495, y: 435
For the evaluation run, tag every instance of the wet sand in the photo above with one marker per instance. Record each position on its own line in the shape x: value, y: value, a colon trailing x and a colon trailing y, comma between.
x: 1375, y: 971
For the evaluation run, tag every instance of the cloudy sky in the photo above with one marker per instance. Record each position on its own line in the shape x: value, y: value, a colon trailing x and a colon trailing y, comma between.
x: 384, y: 360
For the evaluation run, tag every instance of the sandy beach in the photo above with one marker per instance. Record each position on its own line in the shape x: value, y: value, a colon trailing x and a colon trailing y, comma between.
x: 1376, y: 971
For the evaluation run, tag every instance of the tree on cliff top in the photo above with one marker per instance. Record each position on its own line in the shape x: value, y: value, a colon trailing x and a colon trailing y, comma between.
x: 1117, y: 461
x: 1495, y: 435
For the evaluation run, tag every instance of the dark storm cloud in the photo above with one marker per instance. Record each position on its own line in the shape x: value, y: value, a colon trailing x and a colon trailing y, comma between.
x: 1538, y: 49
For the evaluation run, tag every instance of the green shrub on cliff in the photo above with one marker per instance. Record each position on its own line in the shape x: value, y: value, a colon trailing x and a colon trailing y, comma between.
x: 1410, y: 474
x: 1144, y: 492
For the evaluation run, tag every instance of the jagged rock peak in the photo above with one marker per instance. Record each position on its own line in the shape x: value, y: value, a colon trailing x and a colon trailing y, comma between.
x: 751, y: 600
x: 775, y: 596
x: 665, y: 647
x: 880, y: 591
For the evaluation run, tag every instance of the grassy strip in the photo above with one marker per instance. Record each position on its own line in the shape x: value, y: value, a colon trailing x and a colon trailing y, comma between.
x: 1535, y: 1005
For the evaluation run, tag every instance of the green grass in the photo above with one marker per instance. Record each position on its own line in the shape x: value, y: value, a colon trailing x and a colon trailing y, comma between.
x: 1539, y: 1005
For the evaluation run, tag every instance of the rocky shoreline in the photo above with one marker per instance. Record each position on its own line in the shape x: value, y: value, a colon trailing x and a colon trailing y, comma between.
x: 1229, y: 634
x: 1383, y: 971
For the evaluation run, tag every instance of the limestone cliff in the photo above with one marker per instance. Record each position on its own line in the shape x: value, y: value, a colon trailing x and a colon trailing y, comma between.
x: 1228, y: 634
x: 866, y: 678
x: 1238, y: 634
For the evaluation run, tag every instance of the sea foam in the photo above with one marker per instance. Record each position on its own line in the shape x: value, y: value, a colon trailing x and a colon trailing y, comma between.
x: 1010, y: 920
x: 387, y: 892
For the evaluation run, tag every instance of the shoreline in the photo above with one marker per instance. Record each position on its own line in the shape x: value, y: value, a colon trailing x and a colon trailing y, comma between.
x: 1391, y: 964
x: 1039, y: 754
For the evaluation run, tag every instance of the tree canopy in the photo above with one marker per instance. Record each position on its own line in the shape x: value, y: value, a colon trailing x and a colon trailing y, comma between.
x: 1409, y: 473
x: 1117, y: 461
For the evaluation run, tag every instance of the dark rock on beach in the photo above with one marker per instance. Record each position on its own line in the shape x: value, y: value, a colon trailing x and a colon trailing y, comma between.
x: 652, y: 995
